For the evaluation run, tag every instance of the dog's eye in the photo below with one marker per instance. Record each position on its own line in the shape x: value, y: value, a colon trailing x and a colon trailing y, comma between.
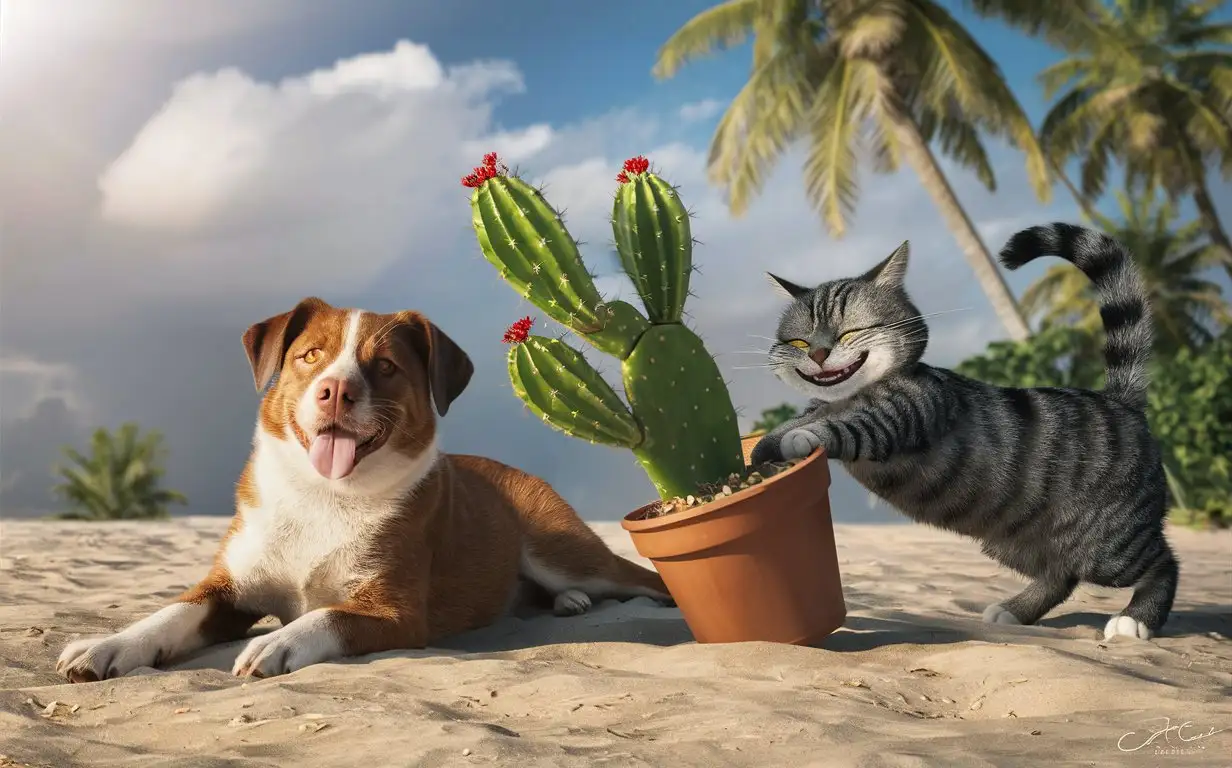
x: 311, y: 356
x: 799, y: 343
x: 385, y: 367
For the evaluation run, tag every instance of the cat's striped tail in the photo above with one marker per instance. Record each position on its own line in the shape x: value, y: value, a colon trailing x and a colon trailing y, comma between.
x: 1123, y: 305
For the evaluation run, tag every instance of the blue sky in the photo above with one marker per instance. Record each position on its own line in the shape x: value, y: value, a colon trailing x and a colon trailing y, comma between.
x: 173, y: 173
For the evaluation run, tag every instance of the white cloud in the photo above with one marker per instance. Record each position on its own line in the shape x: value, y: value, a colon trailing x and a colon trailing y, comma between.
x: 280, y: 180
x: 697, y: 111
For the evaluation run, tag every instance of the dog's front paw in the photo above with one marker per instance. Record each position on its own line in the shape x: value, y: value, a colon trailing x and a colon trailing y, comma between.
x: 91, y: 659
x: 799, y: 443
x: 306, y: 641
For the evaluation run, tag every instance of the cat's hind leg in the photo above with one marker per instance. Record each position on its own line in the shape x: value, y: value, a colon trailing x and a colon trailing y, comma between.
x: 1030, y: 605
x: 1154, y: 592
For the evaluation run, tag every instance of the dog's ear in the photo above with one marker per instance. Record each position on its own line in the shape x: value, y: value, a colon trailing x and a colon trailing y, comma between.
x: 267, y: 342
x: 449, y: 367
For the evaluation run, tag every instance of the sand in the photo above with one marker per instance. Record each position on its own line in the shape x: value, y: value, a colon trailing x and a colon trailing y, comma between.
x: 914, y: 679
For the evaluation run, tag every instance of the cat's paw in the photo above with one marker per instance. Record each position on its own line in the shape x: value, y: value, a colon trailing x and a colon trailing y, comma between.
x: 571, y: 602
x: 799, y: 443
x: 1126, y: 626
x: 999, y: 614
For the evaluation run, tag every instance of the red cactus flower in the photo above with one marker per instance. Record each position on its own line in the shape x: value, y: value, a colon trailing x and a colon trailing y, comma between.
x: 491, y: 168
x: 636, y: 165
x: 622, y: 177
x: 519, y: 331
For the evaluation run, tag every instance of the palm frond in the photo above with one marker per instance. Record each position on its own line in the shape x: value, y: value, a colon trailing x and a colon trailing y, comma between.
x: 961, y: 78
x: 830, y: 166
x: 724, y: 26
x: 763, y: 119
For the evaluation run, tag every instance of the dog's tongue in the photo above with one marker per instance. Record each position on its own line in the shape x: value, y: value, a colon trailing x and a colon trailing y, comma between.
x: 332, y: 454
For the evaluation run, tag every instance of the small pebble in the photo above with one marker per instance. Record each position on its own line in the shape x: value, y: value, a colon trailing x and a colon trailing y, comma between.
x: 466, y: 753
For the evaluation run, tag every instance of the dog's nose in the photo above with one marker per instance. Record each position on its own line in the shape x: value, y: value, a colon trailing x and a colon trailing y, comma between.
x: 336, y: 395
x: 819, y: 355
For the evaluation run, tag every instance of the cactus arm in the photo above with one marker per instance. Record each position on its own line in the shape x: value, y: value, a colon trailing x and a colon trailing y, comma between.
x: 559, y: 386
x: 655, y: 243
x: 528, y: 237
x: 689, y: 429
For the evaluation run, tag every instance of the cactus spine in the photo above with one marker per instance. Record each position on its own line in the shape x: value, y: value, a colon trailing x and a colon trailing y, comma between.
x: 679, y: 421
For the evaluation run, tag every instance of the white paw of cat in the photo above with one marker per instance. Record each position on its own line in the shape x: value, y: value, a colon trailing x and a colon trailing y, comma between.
x: 798, y: 443
x: 572, y: 602
x: 1127, y: 626
x: 999, y: 614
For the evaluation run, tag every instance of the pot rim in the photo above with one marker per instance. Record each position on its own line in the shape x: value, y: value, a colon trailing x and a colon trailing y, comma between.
x: 645, y: 524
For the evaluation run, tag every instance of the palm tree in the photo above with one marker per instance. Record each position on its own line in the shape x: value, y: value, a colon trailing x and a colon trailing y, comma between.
x: 1149, y: 84
x: 886, y: 78
x: 120, y: 478
x: 1185, y: 306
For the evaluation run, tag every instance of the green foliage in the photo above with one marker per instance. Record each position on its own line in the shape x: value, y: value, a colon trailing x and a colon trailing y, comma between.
x: 679, y: 422
x: 120, y: 478
x: 772, y: 417
x: 1189, y: 406
x: 1055, y: 357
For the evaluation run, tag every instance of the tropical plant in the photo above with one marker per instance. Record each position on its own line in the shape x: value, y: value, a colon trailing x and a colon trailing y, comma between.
x: 679, y: 422
x: 1185, y: 305
x: 887, y: 79
x: 1148, y: 83
x: 119, y: 480
x: 772, y: 417
x: 1056, y: 356
x: 1190, y: 409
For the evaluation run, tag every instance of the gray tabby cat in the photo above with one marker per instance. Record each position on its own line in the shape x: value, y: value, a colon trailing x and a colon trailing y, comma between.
x: 1061, y: 485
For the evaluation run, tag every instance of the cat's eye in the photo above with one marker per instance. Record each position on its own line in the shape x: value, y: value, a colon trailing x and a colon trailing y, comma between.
x: 848, y: 337
x: 799, y: 343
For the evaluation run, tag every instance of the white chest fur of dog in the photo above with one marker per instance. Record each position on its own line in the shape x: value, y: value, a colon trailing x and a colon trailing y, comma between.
x: 302, y: 547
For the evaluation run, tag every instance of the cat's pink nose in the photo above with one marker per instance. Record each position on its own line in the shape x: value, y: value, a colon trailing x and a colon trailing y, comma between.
x: 819, y: 355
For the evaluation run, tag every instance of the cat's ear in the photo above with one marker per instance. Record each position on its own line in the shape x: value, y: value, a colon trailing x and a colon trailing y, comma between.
x: 786, y: 287
x: 892, y: 272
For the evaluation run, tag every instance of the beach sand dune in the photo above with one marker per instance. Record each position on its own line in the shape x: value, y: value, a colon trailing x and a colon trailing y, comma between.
x: 914, y: 679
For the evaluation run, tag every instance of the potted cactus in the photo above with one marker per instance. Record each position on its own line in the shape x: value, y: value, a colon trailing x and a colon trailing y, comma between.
x: 758, y: 561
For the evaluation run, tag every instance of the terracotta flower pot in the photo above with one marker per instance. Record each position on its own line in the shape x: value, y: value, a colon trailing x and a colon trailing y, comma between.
x: 758, y: 565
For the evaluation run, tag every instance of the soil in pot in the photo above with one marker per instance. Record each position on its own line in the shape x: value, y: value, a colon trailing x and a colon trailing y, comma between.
x: 759, y: 564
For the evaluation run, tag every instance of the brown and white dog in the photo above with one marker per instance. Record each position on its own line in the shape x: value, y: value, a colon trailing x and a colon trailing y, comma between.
x: 351, y: 527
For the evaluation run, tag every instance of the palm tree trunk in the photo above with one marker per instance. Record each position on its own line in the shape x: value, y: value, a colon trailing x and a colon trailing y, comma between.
x: 1210, y: 220
x: 924, y: 162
